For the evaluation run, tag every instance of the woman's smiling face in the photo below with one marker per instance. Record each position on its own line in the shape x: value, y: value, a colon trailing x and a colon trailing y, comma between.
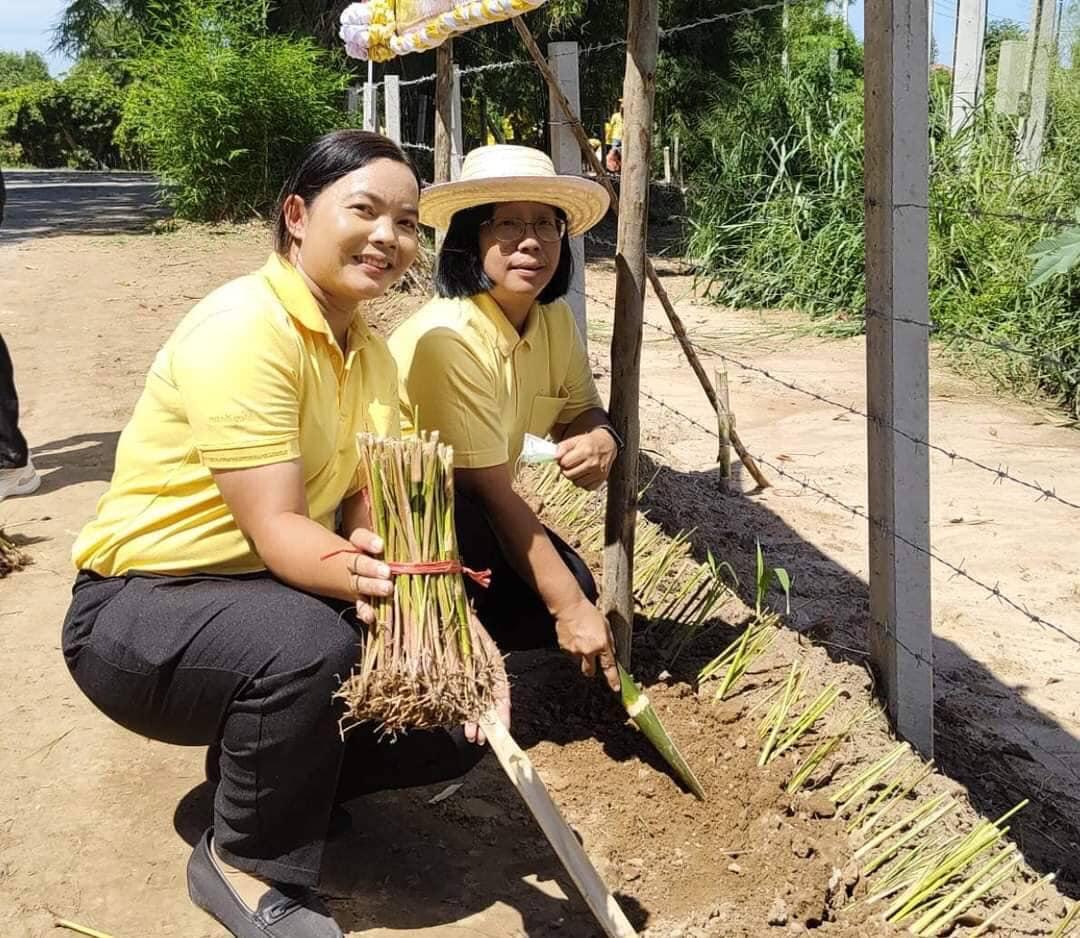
x: 360, y: 234
x: 520, y: 268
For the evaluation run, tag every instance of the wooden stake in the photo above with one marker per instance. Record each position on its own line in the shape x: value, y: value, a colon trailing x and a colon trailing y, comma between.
x: 658, y: 288
x: 639, y: 89
x: 725, y: 422
x: 444, y: 81
x: 525, y: 779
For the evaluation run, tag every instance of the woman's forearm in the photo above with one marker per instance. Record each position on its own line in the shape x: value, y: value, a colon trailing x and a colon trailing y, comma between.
x: 291, y: 546
x: 531, y: 553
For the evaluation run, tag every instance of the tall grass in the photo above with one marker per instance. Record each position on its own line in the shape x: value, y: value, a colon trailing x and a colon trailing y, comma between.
x: 222, y: 109
x: 777, y: 215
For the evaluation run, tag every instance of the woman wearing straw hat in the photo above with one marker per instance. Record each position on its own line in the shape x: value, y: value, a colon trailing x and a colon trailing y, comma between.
x: 497, y: 355
x: 202, y: 614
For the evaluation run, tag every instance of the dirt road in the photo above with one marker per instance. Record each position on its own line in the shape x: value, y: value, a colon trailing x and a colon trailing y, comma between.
x: 93, y: 821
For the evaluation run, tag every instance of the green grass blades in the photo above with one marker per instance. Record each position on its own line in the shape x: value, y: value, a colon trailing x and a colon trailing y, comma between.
x: 927, y: 891
x: 1066, y: 925
x: 740, y: 655
x: 644, y: 715
x: 1012, y: 903
x: 778, y: 713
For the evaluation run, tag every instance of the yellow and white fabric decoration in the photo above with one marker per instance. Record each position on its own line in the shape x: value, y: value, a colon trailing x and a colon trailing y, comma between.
x: 381, y: 29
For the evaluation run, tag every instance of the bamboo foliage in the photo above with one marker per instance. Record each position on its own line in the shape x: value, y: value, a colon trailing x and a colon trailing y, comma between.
x: 422, y: 663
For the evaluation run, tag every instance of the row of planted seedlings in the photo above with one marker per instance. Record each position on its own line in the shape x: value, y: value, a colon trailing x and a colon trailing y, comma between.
x: 679, y: 596
x: 925, y: 875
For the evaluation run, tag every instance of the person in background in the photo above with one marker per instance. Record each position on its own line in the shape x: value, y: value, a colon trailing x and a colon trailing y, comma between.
x: 613, y: 134
x: 17, y: 473
x: 497, y: 355
x: 202, y: 614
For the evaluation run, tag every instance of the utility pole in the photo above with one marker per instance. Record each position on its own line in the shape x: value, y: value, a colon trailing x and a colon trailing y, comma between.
x: 897, y: 363
x: 1041, y: 44
x: 967, y: 61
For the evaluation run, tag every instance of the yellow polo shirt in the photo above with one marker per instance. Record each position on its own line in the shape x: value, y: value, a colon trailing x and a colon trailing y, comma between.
x: 466, y: 372
x: 251, y: 376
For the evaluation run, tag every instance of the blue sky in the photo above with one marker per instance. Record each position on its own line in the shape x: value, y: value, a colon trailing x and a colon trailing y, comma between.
x: 26, y: 24
x: 945, y: 20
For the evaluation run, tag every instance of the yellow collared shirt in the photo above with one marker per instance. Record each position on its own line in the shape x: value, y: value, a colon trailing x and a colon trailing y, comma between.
x: 465, y: 371
x: 251, y: 376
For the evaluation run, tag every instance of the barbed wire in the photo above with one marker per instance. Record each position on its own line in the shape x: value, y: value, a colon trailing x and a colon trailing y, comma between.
x: 599, y: 47
x: 993, y: 591
x: 416, y: 146
x: 1054, y: 220
x: 1000, y: 473
x: 935, y: 329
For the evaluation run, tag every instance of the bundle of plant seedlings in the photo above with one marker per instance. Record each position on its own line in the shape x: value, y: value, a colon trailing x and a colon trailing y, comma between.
x: 423, y: 663
x: 11, y: 558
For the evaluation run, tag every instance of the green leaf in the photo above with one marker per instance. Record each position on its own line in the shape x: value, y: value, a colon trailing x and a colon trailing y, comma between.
x: 1055, y: 256
x: 785, y: 584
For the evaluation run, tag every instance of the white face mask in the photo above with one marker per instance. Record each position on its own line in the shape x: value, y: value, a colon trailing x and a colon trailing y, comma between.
x: 536, y: 450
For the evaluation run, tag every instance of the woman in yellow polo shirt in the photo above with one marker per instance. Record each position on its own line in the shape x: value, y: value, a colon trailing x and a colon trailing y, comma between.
x: 495, y: 355
x: 202, y: 614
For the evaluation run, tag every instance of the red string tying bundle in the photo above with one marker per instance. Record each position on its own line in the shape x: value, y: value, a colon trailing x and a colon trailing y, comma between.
x: 482, y: 577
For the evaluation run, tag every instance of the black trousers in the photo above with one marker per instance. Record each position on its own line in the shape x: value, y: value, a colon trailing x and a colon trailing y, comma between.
x: 510, y: 609
x: 249, y: 664
x: 13, y: 451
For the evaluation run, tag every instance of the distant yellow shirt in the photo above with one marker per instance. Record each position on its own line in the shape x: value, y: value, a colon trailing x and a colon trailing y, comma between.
x: 251, y: 376
x: 613, y: 129
x: 466, y: 372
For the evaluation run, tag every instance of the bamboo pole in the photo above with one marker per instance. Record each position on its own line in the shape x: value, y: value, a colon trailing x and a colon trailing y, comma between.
x: 658, y: 288
x: 639, y: 89
x: 525, y: 779
x: 444, y: 83
x: 725, y: 422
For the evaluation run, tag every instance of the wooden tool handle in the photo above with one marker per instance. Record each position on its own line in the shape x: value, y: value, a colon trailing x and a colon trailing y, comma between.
x: 526, y: 780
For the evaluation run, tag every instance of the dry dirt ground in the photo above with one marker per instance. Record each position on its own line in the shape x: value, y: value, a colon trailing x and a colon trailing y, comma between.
x: 95, y: 823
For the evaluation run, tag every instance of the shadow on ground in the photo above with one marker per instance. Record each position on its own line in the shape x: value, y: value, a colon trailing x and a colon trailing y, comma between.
x: 408, y: 863
x: 85, y: 457
x: 831, y: 607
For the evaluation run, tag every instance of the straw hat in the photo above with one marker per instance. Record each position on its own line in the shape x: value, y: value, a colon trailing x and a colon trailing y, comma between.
x: 502, y: 173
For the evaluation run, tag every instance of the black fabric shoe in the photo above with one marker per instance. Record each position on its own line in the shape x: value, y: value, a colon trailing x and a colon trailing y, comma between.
x: 283, y: 912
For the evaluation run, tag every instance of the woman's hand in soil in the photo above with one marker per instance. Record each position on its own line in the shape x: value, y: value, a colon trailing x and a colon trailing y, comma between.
x: 473, y: 733
x: 368, y: 576
x: 583, y: 632
x: 586, y: 459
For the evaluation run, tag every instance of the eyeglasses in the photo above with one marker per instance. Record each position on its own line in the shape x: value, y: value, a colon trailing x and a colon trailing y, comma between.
x: 512, y: 230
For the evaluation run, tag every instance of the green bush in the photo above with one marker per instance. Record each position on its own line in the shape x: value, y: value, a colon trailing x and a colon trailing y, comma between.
x: 221, y: 110
x: 63, y: 123
x: 25, y: 69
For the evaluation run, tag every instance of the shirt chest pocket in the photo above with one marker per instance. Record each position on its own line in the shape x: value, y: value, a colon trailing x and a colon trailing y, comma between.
x: 382, y: 419
x: 545, y: 412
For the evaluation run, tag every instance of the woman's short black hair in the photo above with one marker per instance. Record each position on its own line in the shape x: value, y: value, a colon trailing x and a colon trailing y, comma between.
x: 460, y: 269
x: 332, y: 156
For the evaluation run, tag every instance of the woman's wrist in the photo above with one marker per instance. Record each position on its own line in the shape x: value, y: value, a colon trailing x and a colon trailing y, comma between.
x: 608, y: 430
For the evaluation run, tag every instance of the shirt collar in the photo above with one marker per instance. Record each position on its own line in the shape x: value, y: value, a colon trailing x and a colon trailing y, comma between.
x: 506, y: 335
x: 290, y: 288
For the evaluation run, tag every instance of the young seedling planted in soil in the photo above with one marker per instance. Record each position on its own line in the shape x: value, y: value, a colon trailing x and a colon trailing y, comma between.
x: 1065, y: 926
x: 740, y: 655
x: 641, y: 711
